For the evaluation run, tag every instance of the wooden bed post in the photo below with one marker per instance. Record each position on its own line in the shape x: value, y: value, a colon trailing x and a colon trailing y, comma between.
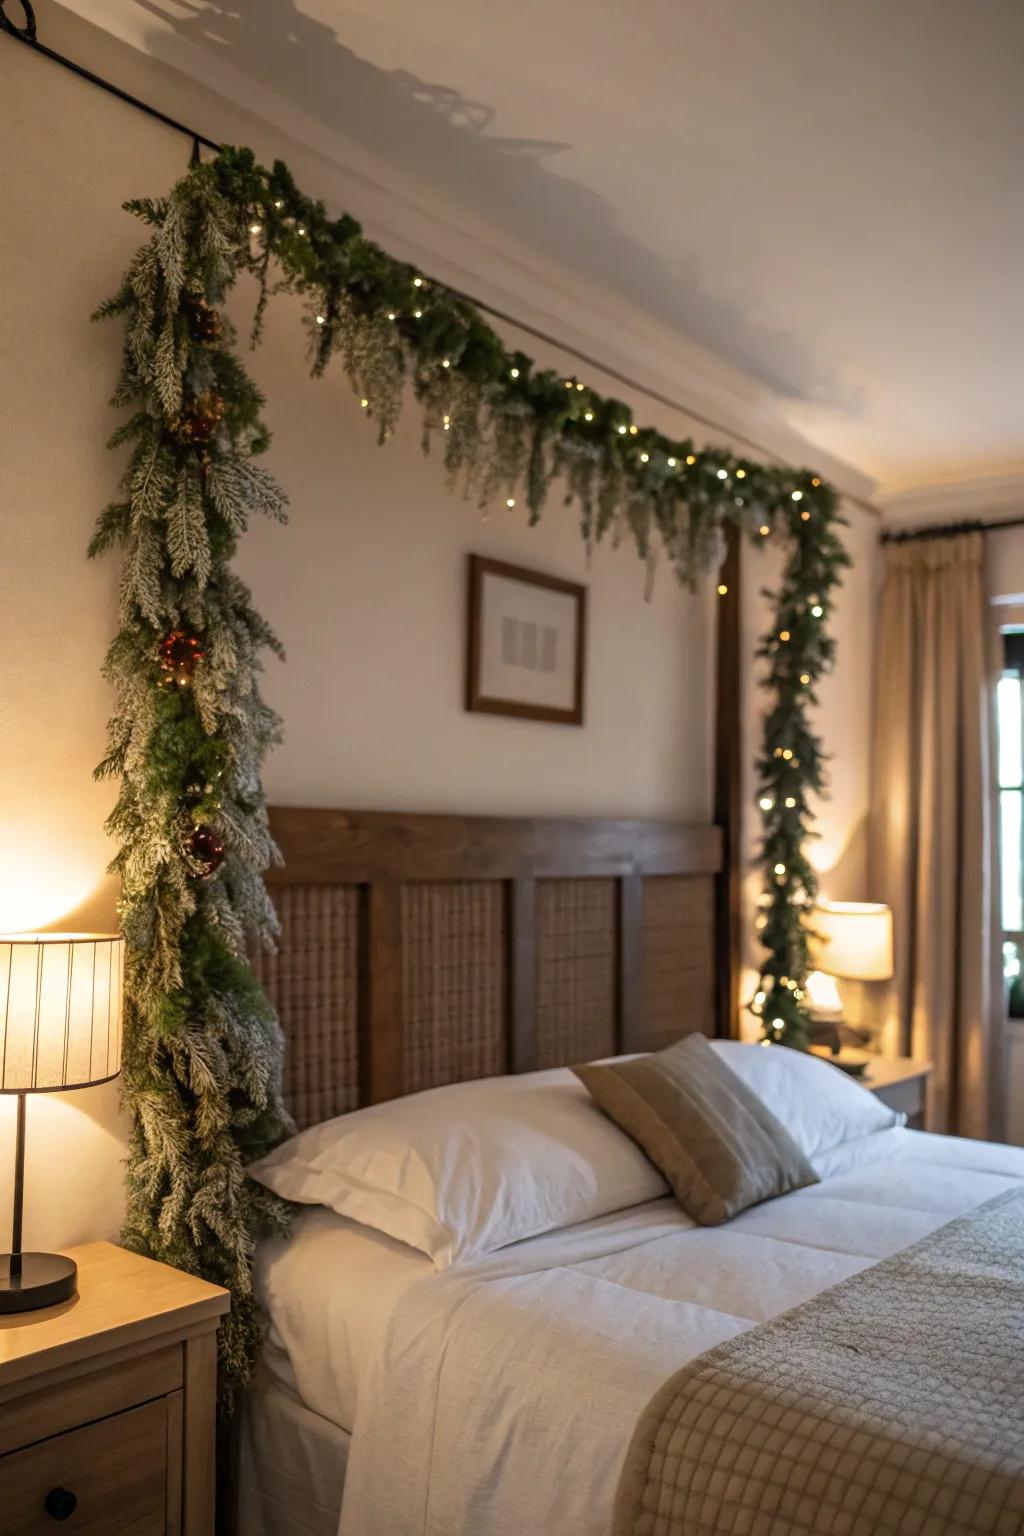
x: 728, y: 796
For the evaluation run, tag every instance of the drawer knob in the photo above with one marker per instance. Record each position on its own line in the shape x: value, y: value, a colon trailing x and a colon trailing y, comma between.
x: 60, y: 1503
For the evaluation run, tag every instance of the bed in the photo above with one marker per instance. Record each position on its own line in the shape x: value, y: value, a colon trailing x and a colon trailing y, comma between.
x: 501, y: 1394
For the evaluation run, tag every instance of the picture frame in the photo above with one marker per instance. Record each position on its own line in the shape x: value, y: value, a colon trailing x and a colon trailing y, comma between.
x: 526, y: 643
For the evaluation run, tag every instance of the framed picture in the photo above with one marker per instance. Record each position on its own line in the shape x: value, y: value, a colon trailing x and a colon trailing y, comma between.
x: 526, y: 644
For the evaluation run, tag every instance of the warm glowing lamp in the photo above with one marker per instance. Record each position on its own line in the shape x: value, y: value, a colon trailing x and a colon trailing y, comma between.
x: 60, y: 1028
x: 853, y: 940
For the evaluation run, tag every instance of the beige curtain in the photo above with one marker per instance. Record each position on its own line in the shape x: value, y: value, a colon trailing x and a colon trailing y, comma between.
x: 932, y: 842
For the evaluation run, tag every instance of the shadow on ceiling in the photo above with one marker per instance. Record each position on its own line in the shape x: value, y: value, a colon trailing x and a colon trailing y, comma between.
x: 449, y: 142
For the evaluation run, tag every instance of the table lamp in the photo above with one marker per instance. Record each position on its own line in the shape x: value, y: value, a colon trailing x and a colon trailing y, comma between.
x: 852, y: 940
x: 60, y: 1028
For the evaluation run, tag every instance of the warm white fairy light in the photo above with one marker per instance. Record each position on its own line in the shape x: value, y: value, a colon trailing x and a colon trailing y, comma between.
x: 255, y: 229
x: 691, y: 458
x: 723, y: 474
x: 787, y: 754
x: 622, y: 431
x: 722, y: 589
x: 790, y: 802
x: 391, y: 314
x: 300, y: 229
x: 766, y: 802
x: 579, y: 386
x: 417, y: 282
x: 741, y: 474
x: 417, y: 314
x: 321, y: 319
x: 364, y: 403
x: 510, y: 501
x: 817, y: 611
x: 645, y: 458
x: 798, y: 495
x: 568, y: 383
x: 671, y: 463
x: 764, y: 530
x: 514, y: 373
x: 805, y: 678
x: 446, y: 362
x: 780, y: 869
x: 588, y: 415
x: 279, y: 203
x: 633, y: 431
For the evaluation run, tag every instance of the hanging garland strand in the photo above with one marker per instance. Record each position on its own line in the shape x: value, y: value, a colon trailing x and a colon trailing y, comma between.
x: 189, y: 732
x: 509, y: 426
x: 202, y: 1057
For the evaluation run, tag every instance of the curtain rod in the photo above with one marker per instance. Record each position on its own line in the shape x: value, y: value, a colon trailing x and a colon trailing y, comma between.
x: 950, y: 530
x: 27, y: 34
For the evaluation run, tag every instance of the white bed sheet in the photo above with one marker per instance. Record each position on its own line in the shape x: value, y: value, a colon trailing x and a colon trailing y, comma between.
x: 329, y: 1289
x: 499, y: 1397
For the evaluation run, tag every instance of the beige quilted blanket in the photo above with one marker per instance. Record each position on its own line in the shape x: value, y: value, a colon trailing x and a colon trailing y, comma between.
x: 893, y: 1403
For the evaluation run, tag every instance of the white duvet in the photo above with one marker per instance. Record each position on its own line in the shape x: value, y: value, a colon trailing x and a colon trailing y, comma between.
x: 499, y: 1397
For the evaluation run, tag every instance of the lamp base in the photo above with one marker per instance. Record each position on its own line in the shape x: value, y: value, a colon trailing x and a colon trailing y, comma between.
x: 45, y: 1280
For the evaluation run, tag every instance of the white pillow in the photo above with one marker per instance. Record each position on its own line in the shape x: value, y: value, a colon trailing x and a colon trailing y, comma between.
x: 462, y: 1170
x: 820, y: 1105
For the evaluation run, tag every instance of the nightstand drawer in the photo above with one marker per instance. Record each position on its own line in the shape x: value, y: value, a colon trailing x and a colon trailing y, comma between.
x: 115, y: 1471
x: 50, y: 1410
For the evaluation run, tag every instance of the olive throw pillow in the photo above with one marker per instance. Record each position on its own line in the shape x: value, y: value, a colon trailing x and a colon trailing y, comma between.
x: 719, y: 1147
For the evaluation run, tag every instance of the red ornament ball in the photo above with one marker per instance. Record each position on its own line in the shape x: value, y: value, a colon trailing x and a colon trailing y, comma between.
x: 206, y: 849
x: 200, y: 418
x: 180, y: 654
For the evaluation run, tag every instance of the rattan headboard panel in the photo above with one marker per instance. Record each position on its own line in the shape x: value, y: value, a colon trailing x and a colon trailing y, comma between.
x: 679, y: 965
x: 576, y: 970
x: 454, y: 982
x: 419, y: 950
x: 312, y: 981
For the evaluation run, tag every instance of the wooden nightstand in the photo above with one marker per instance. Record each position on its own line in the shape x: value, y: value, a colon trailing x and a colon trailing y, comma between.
x: 901, y: 1084
x: 108, y: 1403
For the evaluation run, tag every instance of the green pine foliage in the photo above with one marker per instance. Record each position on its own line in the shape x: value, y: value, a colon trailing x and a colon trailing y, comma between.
x: 202, y: 1055
x: 202, y: 1061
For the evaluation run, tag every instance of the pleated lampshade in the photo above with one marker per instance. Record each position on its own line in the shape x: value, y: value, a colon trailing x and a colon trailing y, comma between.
x: 60, y: 1010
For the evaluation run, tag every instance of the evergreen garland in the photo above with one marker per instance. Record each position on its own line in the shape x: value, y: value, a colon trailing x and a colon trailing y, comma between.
x: 202, y: 1049
x: 202, y: 1058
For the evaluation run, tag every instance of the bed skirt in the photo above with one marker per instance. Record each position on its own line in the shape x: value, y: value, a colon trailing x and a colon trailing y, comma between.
x: 289, y: 1465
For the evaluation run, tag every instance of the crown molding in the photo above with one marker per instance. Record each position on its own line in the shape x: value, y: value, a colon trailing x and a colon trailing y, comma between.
x: 456, y: 245
x: 953, y: 501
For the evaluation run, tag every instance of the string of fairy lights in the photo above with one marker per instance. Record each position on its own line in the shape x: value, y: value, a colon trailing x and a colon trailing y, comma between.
x: 392, y: 324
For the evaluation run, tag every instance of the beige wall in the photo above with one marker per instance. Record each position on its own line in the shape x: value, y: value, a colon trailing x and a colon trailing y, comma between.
x: 366, y: 588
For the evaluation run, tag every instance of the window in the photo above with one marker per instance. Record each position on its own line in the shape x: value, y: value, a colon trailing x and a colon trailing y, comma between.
x: 1010, y: 713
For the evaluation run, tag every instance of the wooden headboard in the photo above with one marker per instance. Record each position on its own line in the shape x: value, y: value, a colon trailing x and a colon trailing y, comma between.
x: 419, y: 950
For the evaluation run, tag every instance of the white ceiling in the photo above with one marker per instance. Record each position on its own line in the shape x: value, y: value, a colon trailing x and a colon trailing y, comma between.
x: 827, y: 194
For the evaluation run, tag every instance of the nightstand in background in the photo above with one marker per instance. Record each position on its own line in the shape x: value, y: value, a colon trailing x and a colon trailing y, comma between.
x: 901, y: 1084
x: 108, y: 1403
